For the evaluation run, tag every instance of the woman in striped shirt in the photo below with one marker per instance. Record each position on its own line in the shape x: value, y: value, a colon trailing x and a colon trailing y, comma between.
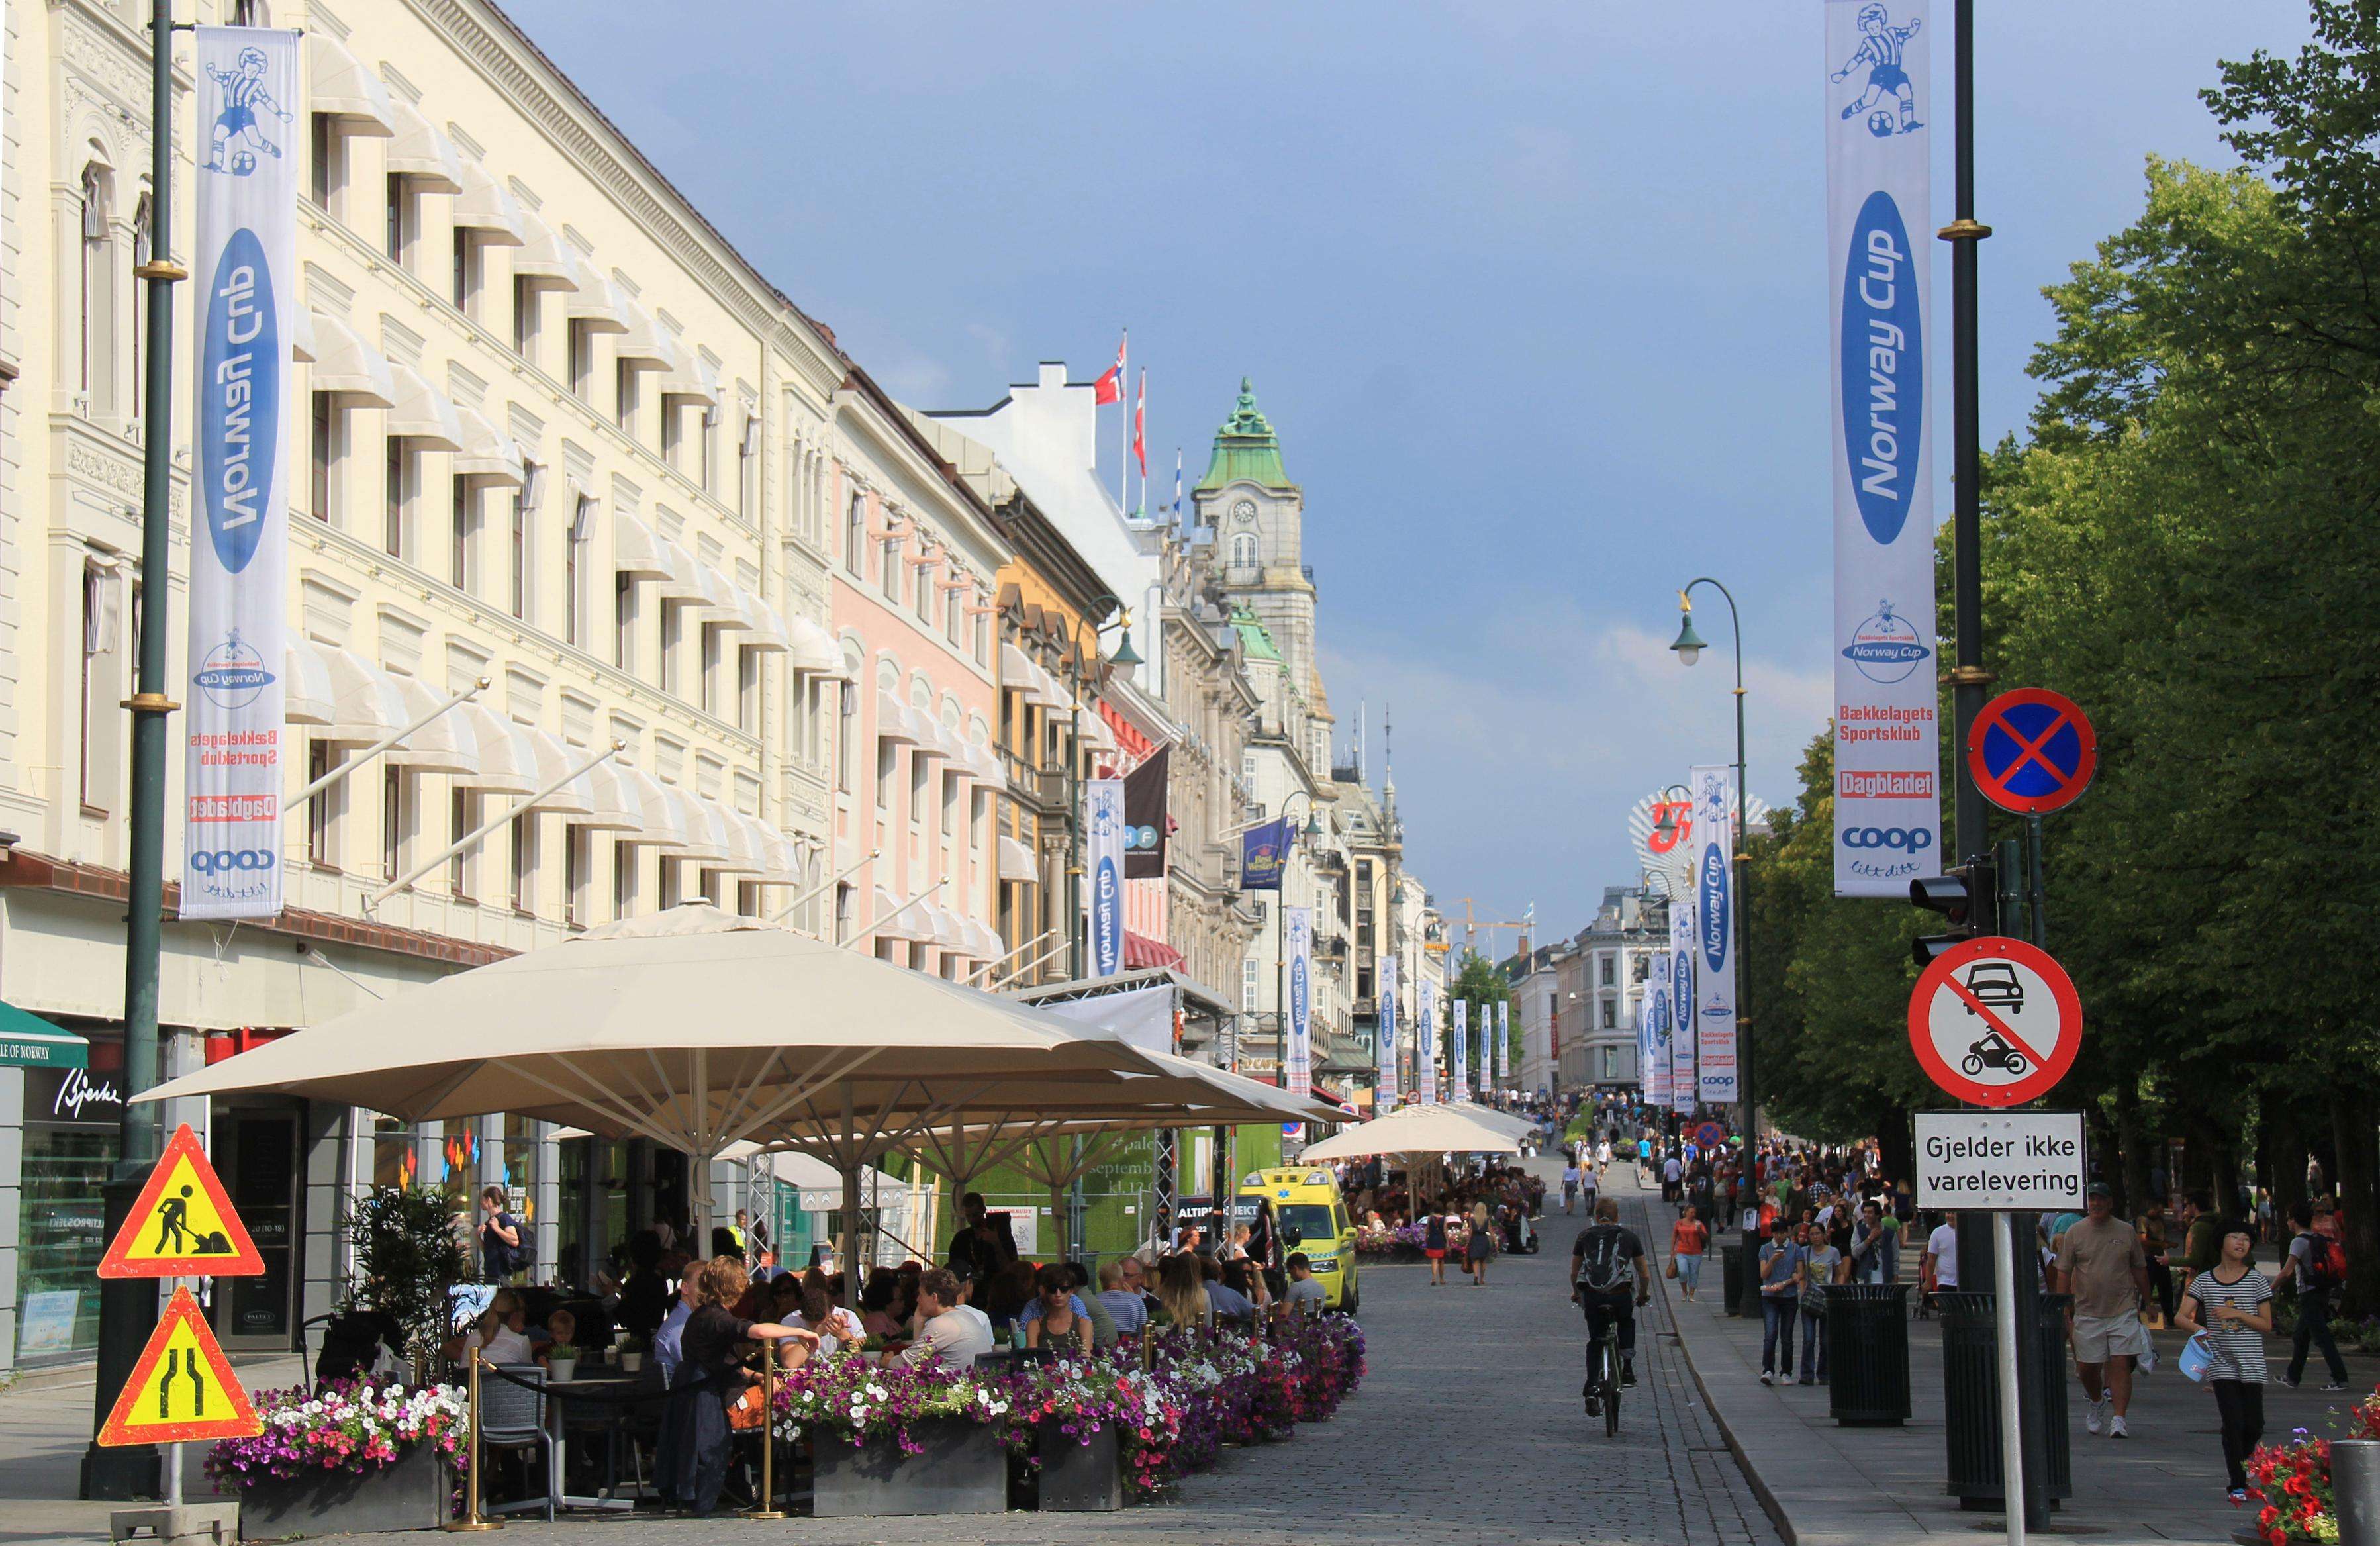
x: 2231, y: 1302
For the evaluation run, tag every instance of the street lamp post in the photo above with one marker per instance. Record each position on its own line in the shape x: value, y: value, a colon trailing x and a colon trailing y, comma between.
x: 1688, y: 647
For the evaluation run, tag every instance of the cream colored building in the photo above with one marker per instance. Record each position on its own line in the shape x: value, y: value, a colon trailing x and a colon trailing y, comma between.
x: 550, y: 434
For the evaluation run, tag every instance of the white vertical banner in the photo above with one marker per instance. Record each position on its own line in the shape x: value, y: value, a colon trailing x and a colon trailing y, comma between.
x: 1426, y: 1037
x: 1384, y: 1091
x: 1103, y: 816
x: 1503, y: 1039
x: 1685, y: 1057
x: 1482, y: 1082
x: 246, y: 295
x: 1653, y: 1008
x: 1460, y: 1065
x: 1879, y: 245
x: 1298, y: 922
x: 1714, y: 943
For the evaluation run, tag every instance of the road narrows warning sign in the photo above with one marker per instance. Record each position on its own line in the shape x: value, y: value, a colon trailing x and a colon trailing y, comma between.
x: 182, y: 1388
x: 183, y: 1225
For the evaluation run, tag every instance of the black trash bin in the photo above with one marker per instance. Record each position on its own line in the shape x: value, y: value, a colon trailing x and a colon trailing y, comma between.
x: 1730, y: 1278
x: 1971, y: 1396
x: 1748, y: 1305
x: 1867, y: 1353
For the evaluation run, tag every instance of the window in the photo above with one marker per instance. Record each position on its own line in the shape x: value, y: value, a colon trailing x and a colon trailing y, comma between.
x: 322, y: 811
x: 470, y: 270
x: 93, y: 276
x: 524, y: 879
x: 922, y: 597
x: 707, y: 426
x: 1243, y: 550
x: 517, y: 551
x: 140, y: 248
x: 951, y: 614
x: 920, y: 769
x: 624, y: 880
x: 888, y: 574
x: 582, y: 362
x: 1248, y: 986
x: 391, y: 823
x: 672, y: 421
x: 330, y: 162
x: 747, y: 691
x: 673, y: 641
x: 855, y: 534
x: 577, y: 861
x: 461, y: 817
x: 1610, y: 1015
x: 459, y: 554
x: 404, y: 218
x: 573, y: 569
x: 398, y: 492
x: 747, y: 467
x: 628, y: 388
x: 99, y: 629
x: 888, y: 765
x: 330, y: 434
x: 526, y: 318
x: 842, y: 894
x: 623, y: 614
x: 983, y: 638
x: 712, y: 644
x: 845, y: 732
x: 1607, y: 971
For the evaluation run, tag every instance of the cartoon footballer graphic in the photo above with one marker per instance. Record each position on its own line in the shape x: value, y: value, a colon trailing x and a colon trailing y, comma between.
x: 1881, y: 49
x: 236, y: 126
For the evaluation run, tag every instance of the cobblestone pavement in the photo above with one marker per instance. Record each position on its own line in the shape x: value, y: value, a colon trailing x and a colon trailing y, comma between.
x: 1468, y: 1429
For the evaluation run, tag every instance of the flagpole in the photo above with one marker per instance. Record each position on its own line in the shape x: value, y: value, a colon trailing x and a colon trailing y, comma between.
x: 1124, y: 430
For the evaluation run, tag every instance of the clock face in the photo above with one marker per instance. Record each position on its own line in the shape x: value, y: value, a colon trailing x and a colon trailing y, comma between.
x: 1244, y: 510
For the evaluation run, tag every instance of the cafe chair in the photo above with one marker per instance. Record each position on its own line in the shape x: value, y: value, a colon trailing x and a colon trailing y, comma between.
x: 513, y: 1418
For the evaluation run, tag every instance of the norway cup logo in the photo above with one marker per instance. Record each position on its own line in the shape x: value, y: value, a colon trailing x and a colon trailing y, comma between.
x: 232, y: 674
x: 1884, y: 648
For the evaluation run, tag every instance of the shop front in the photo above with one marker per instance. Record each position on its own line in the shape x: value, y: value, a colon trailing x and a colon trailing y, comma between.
x: 68, y: 1147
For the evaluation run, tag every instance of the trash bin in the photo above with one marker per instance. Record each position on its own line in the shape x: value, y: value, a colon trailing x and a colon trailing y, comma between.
x: 1748, y: 1304
x: 1867, y: 1353
x: 1971, y: 1396
x: 1730, y: 1278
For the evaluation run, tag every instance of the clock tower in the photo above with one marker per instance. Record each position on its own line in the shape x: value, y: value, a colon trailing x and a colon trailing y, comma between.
x: 1258, y: 517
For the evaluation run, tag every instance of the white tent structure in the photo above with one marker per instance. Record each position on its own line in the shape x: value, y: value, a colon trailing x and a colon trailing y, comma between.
x: 1413, y: 1130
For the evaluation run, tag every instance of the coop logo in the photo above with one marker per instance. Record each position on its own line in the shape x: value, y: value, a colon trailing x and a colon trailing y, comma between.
x: 232, y: 674
x: 1713, y: 909
x: 1885, y: 649
x: 1910, y: 840
x: 1884, y: 369
x: 223, y: 861
x: 239, y: 401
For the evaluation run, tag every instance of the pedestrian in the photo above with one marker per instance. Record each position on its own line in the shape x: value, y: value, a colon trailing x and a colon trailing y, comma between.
x: 1433, y: 1246
x: 1876, y: 1246
x: 2228, y: 1307
x: 1781, y: 1299
x: 695, y: 1419
x: 1938, y: 1268
x: 1478, y: 1244
x: 2316, y: 1265
x: 501, y: 1253
x: 1688, y: 1239
x: 1602, y: 1159
x: 1821, y: 1264
x: 2155, y: 1244
x: 1672, y: 1173
x: 2104, y: 1271
x: 1570, y: 1185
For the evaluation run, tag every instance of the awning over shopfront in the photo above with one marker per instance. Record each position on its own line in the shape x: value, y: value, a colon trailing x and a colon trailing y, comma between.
x: 1139, y: 951
x: 30, y: 1041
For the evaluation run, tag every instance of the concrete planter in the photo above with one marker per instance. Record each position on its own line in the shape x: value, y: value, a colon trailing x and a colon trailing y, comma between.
x: 963, y: 1469
x: 1078, y: 1478
x: 410, y: 1495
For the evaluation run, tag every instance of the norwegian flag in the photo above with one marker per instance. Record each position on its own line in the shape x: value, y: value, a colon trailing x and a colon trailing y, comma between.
x: 1109, y: 388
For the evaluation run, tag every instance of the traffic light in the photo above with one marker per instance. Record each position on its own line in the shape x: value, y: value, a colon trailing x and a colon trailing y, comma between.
x: 1968, y: 900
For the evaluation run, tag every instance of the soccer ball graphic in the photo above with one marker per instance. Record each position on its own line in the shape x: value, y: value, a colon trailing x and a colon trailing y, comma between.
x: 244, y: 162
x: 1879, y: 123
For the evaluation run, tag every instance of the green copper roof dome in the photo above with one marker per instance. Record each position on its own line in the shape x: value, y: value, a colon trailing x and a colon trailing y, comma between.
x: 1246, y: 448
x: 1255, y: 638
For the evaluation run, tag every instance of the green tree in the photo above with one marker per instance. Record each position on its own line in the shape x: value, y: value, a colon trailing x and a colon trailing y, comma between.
x: 1480, y: 983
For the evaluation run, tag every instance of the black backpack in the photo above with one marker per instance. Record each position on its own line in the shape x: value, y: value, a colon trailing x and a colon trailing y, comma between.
x: 1602, y: 1267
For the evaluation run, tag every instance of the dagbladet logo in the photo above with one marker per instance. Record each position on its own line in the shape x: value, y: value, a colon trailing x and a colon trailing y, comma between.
x: 1714, y: 908
x: 239, y: 401
x: 1884, y: 369
x: 232, y: 674
x: 1884, y: 648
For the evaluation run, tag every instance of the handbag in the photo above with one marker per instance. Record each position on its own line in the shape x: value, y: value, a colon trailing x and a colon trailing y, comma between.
x: 2197, y: 1357
x: 1671, y: 1271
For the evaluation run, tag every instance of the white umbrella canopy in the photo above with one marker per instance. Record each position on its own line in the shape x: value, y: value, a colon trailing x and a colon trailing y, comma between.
x: 693, y: 1027
x: 1489, y: 1117
x: 1414, y: 1130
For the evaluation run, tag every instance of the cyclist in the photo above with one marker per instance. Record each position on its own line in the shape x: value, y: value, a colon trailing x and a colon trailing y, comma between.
x: 1600, y: 1263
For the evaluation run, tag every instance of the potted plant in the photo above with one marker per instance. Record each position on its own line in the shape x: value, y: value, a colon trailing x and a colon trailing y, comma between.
x: 632, y: 1354
x: 408, y: 1261
x: 561, y: 1363
x: 2293, y: 1482
x: 900, y: 1441
x: 348, y: 1459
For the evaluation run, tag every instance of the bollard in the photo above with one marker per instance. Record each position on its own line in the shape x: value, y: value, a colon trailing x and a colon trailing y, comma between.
x: 766, y: 1508
x: 2355, y: 1489
x: 472, y: 1521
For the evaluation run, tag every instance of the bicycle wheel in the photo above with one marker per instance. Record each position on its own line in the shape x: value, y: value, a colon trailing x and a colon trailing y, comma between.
x: 1612, y: 1388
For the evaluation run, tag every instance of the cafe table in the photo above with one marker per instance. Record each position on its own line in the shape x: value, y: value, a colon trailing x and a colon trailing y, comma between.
x: 606, y: 1391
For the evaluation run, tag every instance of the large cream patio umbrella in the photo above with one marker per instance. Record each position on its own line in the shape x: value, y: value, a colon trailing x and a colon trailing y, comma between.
x: 692, y: 1028
x: 1414, y: 1130
x: 1503, y: 1122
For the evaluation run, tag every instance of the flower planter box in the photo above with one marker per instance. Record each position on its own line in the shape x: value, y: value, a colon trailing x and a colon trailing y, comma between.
x: 1077, y: 1477
x: 409, y: 1494
x: 963, y: 1469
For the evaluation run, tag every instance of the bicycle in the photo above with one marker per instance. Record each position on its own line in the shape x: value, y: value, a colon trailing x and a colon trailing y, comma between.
x: 1608, y: 1345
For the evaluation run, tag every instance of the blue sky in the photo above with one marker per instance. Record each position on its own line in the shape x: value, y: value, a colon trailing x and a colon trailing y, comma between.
x: 1533, y: 291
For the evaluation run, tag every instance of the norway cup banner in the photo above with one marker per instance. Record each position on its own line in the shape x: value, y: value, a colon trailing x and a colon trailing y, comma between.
x: 246, y: 291
x: 1713, y: 971
x: 1425, y: 1041
x: 1459, y: 1063
x: 1503, y: 1039
x: 1384, y: 1042
x: 1103, y: 804
x: 1298, y: 1052
x: 1653, y: 1013
x: 1879, y: 243
x: 1684, y: 1055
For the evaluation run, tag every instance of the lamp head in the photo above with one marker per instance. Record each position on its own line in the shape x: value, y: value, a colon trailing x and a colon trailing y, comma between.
x: 1125, y: 656
x: 1689, y: 644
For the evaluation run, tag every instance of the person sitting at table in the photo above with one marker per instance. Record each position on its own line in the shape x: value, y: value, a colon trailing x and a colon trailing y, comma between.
x: 837, y: 1328
x: 1056, y: 1319
x: 668, y: 1347
x: 1229, y: 1303
x: 495, y: 1336
x: 562, y: 1331
x: 1126, y: 1309
x: 1182, y: 1291
x: 875, y: 1303
x: 1004, y: 1293
x: 644, y: 1294
x: 947, y: 1330
x: 695, y: 1427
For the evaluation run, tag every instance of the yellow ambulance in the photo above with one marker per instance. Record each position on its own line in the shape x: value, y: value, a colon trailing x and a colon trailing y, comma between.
x: 1312, y: 1218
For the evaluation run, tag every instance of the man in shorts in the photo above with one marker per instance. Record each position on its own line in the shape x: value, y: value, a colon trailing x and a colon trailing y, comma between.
x: 2100, y: 1262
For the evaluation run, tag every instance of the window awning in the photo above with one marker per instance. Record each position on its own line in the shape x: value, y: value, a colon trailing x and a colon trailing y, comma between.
x: 895, y: 721
x: 983, y: 944
x: 1017, y: 672
x: 785, y: 863
x: 682, y: 579
x: 617, y: 806
x: 486, y: 206
x: 368, y: 705
x: 29, y: 1042
x: 754, y: 618
x: 422, y: 412
x: 345, y: 88
x: 1016, y: 861
x: 541, y: 256
x: 343, y: 362
x: 906, y: 926
x: 445, y: 745
x: 635, y: 551
x: 641, y: 338
x: 487, y: 452
x: 814, y: 649
x: 746, y: 852
x: 987, y: 764
x: 591, y: 299
x: 658, y: 824
x: 702, y: 831
x: 421, y: 151
x: 307, y: 695
x: 692, y: 376
x: 575, y: 796
x: 507, y: 765
x: 1141, y: 951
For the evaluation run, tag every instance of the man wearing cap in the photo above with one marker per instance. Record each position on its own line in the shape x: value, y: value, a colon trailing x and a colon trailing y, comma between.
x: 2101, y: 1264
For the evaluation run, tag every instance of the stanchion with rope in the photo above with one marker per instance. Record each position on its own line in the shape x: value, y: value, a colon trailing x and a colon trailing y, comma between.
x: 472, y: 1522
x: 766, y: 1508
